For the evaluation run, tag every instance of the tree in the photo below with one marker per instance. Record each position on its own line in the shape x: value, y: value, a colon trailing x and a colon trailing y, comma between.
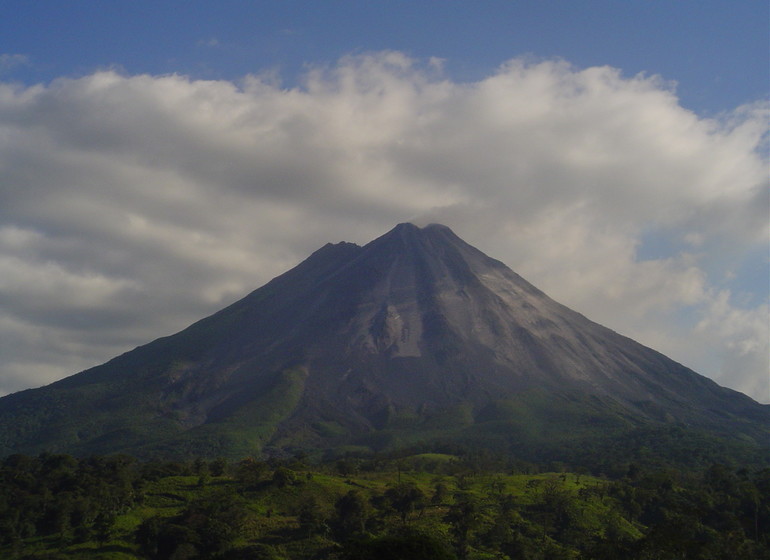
x: 216, y: 519
x: 464, y: 516
x: 103, y: 527
x: 406, y: 545
x: 218, y: 467
x: 251, y: 472
x: 440, y: 492
x: 404, y: 498
x: 352, y: 514
x: 311, y: 517
x: 556, y: 508
x: 283, y: 477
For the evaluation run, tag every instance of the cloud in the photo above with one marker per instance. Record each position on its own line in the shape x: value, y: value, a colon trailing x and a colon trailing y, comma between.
x: 10, y: 61
x: 134, y: 205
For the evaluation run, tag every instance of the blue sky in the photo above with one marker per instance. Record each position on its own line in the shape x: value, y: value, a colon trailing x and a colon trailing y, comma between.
x: 160, y: 160
x: 716, y: 51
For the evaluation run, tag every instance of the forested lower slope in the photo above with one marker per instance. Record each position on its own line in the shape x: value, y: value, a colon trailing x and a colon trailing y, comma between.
x: 427, y: 506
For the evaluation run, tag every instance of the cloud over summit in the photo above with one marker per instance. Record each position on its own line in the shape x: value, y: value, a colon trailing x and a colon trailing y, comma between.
x: 132, y: 205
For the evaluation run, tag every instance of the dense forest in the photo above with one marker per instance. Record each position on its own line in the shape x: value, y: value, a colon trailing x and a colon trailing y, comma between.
x: 420, y: 506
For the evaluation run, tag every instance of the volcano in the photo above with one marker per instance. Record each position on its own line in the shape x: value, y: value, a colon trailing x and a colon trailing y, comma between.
x: 416, y: 338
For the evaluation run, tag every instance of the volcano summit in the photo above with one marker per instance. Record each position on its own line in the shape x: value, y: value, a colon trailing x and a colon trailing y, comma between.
x: 416, y: 338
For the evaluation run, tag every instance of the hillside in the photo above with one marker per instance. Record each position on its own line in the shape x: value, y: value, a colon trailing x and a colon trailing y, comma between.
x: 420, y: 507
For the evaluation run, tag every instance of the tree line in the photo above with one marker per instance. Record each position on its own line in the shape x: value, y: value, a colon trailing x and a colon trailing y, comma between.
x: 423, y: 507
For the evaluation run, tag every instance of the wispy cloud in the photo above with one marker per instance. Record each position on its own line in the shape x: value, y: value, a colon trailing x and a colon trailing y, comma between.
x: 10, y: 61
x: 133, y: 205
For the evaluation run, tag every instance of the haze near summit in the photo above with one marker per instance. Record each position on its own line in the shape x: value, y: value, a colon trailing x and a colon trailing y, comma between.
x: 137, y: 200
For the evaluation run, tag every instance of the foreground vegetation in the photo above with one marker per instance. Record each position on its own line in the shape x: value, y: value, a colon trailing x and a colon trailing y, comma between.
x: 426, y: 506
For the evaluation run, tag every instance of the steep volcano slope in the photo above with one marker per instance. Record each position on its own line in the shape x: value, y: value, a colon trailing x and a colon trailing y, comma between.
x: 417, y: 335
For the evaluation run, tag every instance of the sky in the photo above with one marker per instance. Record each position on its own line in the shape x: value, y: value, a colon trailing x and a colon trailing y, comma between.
x: 160, y: 160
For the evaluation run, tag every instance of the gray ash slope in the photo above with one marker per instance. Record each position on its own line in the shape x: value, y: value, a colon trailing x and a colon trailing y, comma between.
x: 389, y: 338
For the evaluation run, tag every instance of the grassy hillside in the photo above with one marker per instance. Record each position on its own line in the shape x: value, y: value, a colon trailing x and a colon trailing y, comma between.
x: 425, y: 506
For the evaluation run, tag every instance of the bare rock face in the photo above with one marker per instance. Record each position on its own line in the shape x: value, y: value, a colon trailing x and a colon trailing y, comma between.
x: 396, y: 335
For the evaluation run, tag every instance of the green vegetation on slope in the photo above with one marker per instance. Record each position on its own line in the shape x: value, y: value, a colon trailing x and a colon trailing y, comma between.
x: 425, y: 506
